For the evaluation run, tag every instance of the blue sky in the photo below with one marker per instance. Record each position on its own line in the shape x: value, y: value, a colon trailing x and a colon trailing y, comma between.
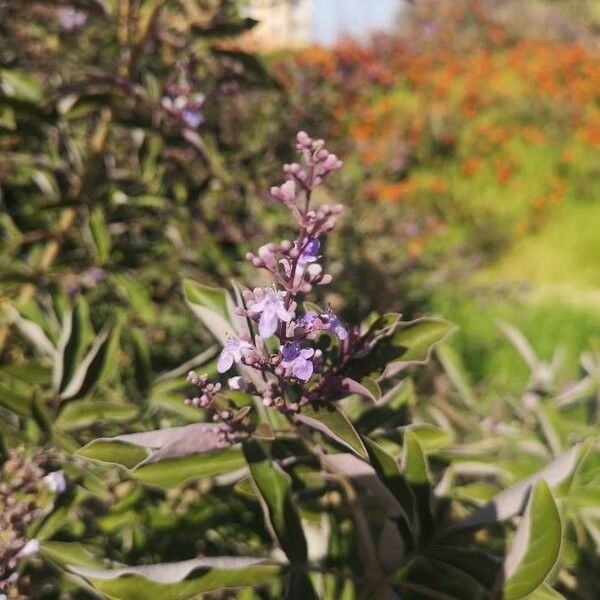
x: 356, y: 17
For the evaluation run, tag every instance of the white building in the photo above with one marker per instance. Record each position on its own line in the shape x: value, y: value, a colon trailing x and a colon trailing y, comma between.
x: 282, y: 23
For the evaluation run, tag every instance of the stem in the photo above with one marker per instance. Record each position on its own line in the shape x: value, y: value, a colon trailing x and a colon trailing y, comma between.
x: 366, y: 544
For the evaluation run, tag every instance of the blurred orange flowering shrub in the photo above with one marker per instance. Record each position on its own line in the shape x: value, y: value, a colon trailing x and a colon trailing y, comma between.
x: 455, y: 115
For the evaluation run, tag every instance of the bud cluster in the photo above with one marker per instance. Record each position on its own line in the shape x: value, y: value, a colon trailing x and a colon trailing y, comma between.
x: 231, y: 425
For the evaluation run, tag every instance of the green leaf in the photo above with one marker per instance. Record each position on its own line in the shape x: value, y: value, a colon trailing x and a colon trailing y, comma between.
x: 14, y: 401
x: 430, y: 437
x: 20, y: 85
x: 32, y: 331
x: 179, y: 581
x: 535, y: 547
x: 332, y: 422
x: 113, y: 451
x: 70, y: 553
x: 545, y: 592
x: 100, y: 236
x: 410, y: 343
x: 510, y: 502
x: 454, y: 369
x: 175, y: 472
x: 274, y: 488
x: 414, y: 460
x: 168, y: 457
x: 212, y: 306
x: 94, y: 366
x: 388, y: 471
x: 83, y: 414
x: 39, y: 412
x: 431, y: 578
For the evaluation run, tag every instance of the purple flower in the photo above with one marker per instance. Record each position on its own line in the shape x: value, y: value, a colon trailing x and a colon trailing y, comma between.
x: 308, y: 318
x: 192, y: 118
x: 232, y: 351
x: 71, y: 19
x: 271, y: 308
x: 310, y: 253
x: 334, y: 325
x: 297, y: 358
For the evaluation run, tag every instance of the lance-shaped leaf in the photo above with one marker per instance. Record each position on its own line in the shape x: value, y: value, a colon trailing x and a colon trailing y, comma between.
x: 83, y: 414
x: 212, y: 306
x: 74, y: 335
x: 179, y: 581
x: 94, y: 365
x: 70, y: 553
x: 430, y: 437
x: 416, y: 472
x: 510, y: 502
x: 332, y: 422
x: 454, y: 369
x: 274, y: 488
x: 388, y: 471
x: 32, y: 331
x: 410, y: 343
x: 168, y: 457
x: 535, y: 547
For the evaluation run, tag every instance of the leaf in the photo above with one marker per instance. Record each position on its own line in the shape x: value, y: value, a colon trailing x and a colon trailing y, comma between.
x: 33, y: 332
x: 100, y: 236
x: 93, y: 366
x: 535, y: 547
x: 179, y: 581
x: 510, y: 502
x: 70, y: 553
x: 347, y: 385
x: 454, y: 369
x: 212, y: 306
x: 15, y: 401
x: 175, y: 472
x: 388, y: 413
x: 135, y: 294
x: 83, y: 414
x: 431, y: 578
x: 414, y: 461
x: 39, y: 412
x: 274, y: 488
x: 430, y: 437
x: 521, y: 344
x: 545, y: 592
x: 332, y: 422
x: 113, y: 451
x: 168, y: 457
x: 410, y: 343
x: 20, y: 85
x: 389, y: 472
x: 365, y: 477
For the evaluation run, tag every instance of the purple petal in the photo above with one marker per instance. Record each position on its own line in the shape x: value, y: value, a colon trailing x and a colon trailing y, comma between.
x: 303, y: 369
x: 341, y: 332
x: 225, y: 361
x: 267, y: 325
x: 307, y: 352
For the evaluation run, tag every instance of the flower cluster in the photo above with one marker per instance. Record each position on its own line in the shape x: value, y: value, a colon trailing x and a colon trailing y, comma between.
x: 24, y: 493
x: 278, y: 342
x: 181, y: 100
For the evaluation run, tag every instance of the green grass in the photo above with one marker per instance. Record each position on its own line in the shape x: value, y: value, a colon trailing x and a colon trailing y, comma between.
x: 490, y: 357
x: 564, y: 255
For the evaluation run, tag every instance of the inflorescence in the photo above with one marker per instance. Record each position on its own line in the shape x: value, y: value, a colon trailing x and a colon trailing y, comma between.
x: 278, y: 343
